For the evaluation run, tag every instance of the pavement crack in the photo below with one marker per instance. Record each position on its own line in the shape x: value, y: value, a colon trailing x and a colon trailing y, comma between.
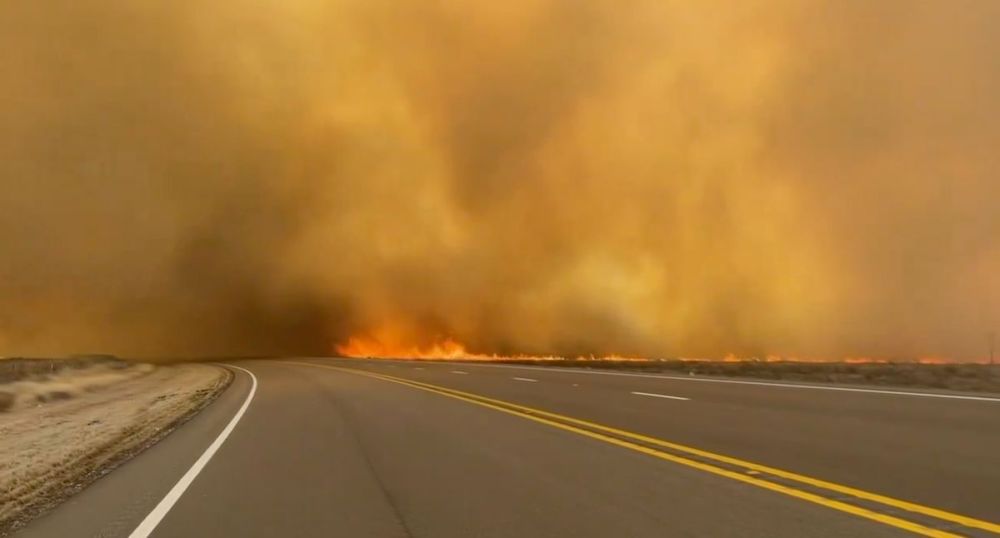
x: 388, y: 496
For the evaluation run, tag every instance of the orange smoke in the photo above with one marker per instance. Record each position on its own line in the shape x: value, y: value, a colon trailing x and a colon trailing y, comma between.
x: 935, y: 360
x: 387, y: 344
x: 793, y: 358
x: 374, y: 347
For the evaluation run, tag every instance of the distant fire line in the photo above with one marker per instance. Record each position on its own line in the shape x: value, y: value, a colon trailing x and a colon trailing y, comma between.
x: 450, y: 349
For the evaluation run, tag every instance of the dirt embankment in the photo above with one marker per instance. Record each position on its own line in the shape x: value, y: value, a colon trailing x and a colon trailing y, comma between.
x: 65, y: 424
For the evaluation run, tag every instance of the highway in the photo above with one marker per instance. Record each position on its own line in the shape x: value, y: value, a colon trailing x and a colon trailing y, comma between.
x: 327, y: 447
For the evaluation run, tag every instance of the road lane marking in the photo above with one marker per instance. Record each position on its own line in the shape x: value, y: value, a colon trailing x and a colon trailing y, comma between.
x: 551, y: 419
x: 149, y: 524
x: 604, y: 433
x: 754, y: 383
x: 459, y: 372
x: 525, y: 379
x: 652, y: 395
x: 418, y: 368
x: 529, y: 412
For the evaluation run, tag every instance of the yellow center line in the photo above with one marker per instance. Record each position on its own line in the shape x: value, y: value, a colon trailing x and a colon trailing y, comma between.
x: 846, y: 490
x: 566, y: 423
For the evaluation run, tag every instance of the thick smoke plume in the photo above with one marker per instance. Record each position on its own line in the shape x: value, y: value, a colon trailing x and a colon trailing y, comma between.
x: 667, y: 178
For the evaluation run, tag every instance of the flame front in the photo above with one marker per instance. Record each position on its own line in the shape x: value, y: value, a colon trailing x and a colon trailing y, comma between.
x: 359, y: 346
x: 387, y: 344
x: 376, y: 347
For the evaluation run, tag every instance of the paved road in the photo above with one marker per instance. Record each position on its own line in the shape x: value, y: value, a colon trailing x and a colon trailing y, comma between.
x: 386, y: 449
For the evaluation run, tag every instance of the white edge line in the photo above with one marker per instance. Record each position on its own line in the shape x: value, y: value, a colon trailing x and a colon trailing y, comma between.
x: 556, y: 369
x: 526, y: 379
x: 149, y: 524
x: 660, y: 396
x: 792, y: 386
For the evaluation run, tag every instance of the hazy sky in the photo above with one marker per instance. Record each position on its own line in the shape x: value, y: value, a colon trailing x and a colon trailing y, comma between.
x: 667, y: 178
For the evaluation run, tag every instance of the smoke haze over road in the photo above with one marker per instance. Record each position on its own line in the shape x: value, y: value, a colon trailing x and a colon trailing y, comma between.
x: 813, y: 178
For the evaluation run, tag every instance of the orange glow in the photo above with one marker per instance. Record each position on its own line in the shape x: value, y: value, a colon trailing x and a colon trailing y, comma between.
x: 387, y: 344
x: 374, y: 347
x: 865, y: 360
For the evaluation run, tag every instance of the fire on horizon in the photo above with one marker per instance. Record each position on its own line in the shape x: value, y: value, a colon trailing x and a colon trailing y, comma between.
x: 368, y: 347
x: 532, y: 177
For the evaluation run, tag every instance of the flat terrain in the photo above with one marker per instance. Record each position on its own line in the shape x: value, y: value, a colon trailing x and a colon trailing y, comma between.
x: 64, y: 428
x: 957, y: 376
x: 383, y: 449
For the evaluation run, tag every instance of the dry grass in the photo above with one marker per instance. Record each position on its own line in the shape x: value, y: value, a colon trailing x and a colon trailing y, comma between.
x: 15, y: 369
x: 66, y: 383
x: 65, y: 429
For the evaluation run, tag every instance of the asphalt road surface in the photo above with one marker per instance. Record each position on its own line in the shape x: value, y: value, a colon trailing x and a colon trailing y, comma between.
x: 348, y: 448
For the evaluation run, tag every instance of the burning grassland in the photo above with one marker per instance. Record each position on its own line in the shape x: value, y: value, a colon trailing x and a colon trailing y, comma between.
x: 546, y: 176
x: 924, y: 372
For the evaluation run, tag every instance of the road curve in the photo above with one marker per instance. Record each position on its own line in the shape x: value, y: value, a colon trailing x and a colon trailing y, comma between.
x: 385, y: 449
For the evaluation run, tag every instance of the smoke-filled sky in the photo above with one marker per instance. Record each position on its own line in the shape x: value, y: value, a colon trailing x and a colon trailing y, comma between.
x: 818, y: 178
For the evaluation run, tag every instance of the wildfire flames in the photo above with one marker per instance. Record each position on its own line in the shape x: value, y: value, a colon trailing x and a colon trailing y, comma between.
x: 374, y: 347
x: 578, y: 178
x: 447, y: 348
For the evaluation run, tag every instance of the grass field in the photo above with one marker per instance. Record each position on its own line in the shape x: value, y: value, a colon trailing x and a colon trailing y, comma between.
x: 66, y: 423
x: 15, y: 368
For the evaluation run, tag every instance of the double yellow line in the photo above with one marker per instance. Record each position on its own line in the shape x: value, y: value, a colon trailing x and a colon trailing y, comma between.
x: 746, y: 472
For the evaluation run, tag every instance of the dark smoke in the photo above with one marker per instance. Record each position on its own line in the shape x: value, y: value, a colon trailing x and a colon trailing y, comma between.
x: 812, y: 178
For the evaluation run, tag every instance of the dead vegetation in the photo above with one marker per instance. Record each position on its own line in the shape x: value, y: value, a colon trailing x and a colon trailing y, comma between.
x: 39, y: 383
x: 67, y: 424
x: 16, y: 369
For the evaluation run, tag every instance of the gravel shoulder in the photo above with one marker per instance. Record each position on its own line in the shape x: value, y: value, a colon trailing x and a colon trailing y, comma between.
x: 62, y: 431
